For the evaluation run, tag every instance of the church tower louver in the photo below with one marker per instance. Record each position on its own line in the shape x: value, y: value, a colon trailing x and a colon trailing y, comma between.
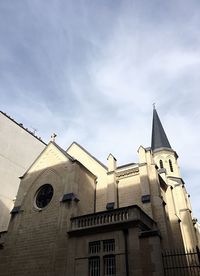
x: 177, y: 199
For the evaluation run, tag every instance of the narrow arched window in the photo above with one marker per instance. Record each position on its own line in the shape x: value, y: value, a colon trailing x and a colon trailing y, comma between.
x: 161, y: 164
x: 170, y: 165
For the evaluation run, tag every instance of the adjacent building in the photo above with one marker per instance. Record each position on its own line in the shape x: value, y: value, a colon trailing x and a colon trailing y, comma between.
x: 75, y: 216
x: 18, y: 149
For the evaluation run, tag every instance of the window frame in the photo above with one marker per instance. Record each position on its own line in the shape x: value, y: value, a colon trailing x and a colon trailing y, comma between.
x: 94, y: 266
x: 109, y: 265
x: 104, y: 252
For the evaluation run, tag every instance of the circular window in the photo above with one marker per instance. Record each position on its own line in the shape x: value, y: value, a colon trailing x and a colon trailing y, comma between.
x: 44, y: 196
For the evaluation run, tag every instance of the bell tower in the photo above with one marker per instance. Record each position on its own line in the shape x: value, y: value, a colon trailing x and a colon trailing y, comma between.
x: 176, y: 199
x: 164, y: 156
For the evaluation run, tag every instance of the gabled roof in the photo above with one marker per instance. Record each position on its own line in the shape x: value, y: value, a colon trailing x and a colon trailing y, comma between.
x: 69, y: 157
x: 59, y: 148
x: 73, y: 159
x: 127, y: 165
x: 94, y: 158
x: 110, y: 154
x: 63, y: 151
x: 159, y: 138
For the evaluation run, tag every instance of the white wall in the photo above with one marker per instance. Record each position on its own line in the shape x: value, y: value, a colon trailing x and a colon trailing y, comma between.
x: 18, y: 150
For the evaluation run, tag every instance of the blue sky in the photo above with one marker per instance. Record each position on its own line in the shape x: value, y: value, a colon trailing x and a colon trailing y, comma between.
x: 90, y: 71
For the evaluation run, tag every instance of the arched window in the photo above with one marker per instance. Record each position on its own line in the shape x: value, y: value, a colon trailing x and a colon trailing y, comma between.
x: 161, y: 164
x: 170, y: 165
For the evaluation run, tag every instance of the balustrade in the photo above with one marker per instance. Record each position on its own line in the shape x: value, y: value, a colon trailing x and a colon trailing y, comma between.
x: 115, y: 216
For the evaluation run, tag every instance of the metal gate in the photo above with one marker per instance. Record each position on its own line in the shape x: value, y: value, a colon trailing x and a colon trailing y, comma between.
x: 181, y: 263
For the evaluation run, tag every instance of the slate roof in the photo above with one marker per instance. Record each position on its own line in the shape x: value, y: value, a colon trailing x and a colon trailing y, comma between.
x: 159, y: 138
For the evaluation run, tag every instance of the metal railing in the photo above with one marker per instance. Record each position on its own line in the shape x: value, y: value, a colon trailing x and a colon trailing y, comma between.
x: 181, y: 263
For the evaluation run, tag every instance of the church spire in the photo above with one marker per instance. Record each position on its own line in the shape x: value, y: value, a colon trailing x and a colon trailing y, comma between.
x: 159, y: 138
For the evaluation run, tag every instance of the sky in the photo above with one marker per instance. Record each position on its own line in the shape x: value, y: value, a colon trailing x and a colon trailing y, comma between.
x: 90, y: 70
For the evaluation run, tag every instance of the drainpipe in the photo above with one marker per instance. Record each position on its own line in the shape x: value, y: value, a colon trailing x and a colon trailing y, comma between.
x: 125, y: 231
x: 95, y: 196
x: 198, y: 253
x: 117, y: 184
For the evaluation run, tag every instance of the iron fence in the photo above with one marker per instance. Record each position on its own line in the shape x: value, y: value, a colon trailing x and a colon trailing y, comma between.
x: 181, y: 262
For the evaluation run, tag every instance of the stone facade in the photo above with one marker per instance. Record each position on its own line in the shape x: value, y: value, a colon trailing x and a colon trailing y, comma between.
x: 75, y: 216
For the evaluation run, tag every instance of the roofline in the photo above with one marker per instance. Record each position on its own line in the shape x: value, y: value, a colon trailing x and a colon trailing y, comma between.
x: 126, y: 165
x: 73, y: 159
x: 175, y: 177
x: 165, y: 148
x: 162, y: 148
x: 81, y: 165
x: 21, y: 125
x: 64, y: 153
x: 106, y: 168
x: 22, y: 176
x: 59, y: 148
x: 110, y: 154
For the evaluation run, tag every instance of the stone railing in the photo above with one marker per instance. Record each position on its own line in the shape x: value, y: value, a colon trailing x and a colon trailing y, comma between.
x: 120, y: 216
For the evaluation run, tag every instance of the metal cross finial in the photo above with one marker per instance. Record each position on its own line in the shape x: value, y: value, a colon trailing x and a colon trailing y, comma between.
x: 154, y: 105
x: 53, y: 136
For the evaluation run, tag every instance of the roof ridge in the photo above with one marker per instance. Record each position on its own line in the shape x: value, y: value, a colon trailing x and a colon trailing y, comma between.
x: 88, y: 154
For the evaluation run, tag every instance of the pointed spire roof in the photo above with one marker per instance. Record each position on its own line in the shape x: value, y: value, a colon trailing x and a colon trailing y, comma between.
x: 159, y: 137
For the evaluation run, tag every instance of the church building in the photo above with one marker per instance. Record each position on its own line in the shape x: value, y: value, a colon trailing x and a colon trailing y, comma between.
x: 75, y: 216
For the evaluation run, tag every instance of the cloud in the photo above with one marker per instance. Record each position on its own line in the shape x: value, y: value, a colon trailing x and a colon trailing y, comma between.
x: 91, y: 70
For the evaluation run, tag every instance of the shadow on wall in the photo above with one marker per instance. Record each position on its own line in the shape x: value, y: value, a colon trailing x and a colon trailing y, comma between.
x: 32, y: 229
x: 73, y: 177
x: 65, y: 178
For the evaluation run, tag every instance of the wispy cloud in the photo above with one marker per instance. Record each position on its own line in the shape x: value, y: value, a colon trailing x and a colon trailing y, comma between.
x: 90, y: 71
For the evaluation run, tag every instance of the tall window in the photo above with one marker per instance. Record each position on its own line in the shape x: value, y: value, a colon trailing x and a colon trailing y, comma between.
x: 109, y: 265
x: 161, y: 164
x: 102, y: 251
x: 170, y: 165
x: 94, y: 266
